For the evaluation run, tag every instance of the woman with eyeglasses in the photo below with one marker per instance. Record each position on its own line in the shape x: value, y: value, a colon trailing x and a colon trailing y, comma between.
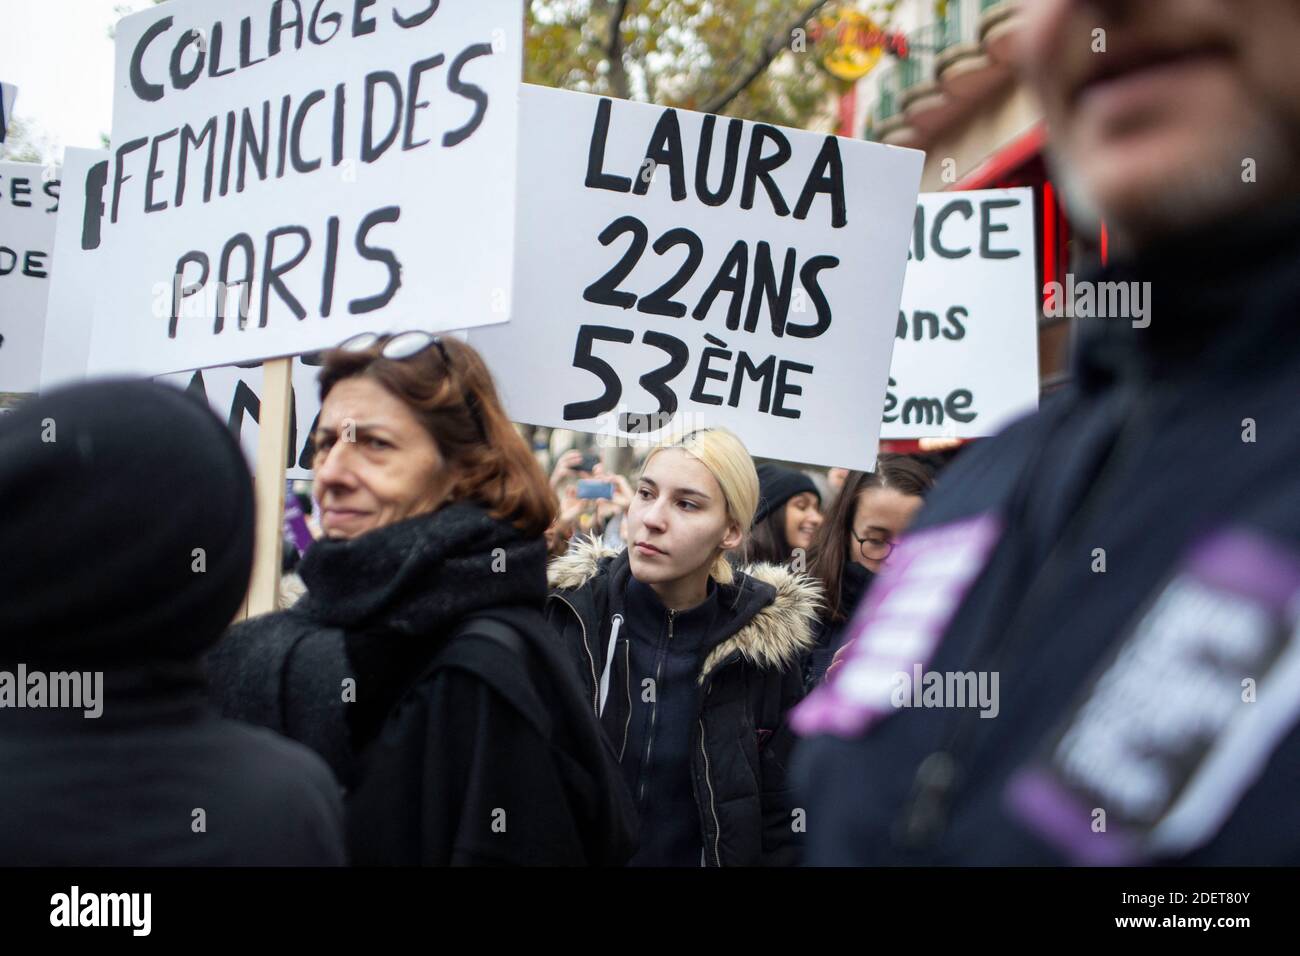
x: 870, y: 513
x: 419, y: 662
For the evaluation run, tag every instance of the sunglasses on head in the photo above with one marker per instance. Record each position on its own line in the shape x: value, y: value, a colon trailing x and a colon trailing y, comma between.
x: 407, y: 345
x: 404, y: 345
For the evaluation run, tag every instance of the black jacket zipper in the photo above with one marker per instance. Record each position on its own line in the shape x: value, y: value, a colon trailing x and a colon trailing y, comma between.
x: 654, y: 710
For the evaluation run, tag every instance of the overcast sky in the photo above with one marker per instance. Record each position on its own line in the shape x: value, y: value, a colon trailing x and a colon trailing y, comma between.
x: 58, y: 54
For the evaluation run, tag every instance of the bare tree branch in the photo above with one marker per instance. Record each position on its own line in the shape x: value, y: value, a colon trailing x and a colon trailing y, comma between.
x: 771, y: 49
x: 614, y: 50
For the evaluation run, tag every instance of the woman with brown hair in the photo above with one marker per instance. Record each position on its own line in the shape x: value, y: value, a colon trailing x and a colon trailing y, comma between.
x: 871, y: 511
x: 419, y: 663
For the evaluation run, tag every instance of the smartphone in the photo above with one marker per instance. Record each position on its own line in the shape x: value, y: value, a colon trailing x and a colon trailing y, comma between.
x: 595, y: 488
x: 588, y: 464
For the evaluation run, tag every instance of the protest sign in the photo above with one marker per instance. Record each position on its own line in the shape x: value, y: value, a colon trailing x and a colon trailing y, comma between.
x: 235, y: 394
x: 29, y: 203
x: 966, y: 356
x: 8, y: 94
x: 284, y: 176
x: 74, y: 278
x: 677, y: 269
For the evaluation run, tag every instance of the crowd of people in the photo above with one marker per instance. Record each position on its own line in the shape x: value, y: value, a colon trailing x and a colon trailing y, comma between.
x: 473, y: 674
x: 680, y: 666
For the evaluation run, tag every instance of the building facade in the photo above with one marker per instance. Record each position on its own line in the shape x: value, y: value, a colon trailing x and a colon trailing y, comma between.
x: 951, y: 90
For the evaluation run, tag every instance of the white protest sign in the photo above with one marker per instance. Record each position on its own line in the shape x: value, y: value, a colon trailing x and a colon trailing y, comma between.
x: 29, y: 204
x: 966, y: 359
x: 8, y: 94
x: 235, y: 394
x: 75, y: 274
x: 286, y: 175
x: 676, y: 269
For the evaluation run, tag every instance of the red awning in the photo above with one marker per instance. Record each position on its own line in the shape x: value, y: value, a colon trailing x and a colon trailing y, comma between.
x: 1005, y: 161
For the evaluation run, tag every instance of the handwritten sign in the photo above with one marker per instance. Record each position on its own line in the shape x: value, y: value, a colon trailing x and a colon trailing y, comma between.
x: 29, y: 203
x: 677, y: 269
x: 966, y: 355
x: 285, y: 175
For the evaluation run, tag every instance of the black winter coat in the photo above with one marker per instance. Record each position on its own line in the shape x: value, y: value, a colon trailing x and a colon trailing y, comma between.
x: 122, y: 789
x: 829, y: 635
x: 1127, y: 561
x: 457, y: 745
x: 749, y: 678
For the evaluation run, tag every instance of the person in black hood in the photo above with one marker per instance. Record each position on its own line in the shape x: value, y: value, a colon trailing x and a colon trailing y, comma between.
x: 690, y: 664
x: 870, y: 513
x: 786, y: 519
x: 126, y: 517
x: 419, y: 663
x: 1135, y: 624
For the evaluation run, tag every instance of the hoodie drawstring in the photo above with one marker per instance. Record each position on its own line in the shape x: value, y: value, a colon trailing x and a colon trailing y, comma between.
x: 609, y: 662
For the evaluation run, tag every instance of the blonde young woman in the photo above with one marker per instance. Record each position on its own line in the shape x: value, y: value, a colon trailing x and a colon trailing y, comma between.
x: 691, y: 665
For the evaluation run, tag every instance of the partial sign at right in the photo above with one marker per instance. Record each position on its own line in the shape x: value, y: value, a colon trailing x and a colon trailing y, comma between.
x: 966, y: 348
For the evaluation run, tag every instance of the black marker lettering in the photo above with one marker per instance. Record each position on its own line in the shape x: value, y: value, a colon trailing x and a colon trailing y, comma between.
x: 278, y: 26
x: 295, y: 137
x: 415, y: 19
x: 665, y: 149
x: 475, y: 94
x: 730, y: 278
x: 597, y: 178
x: 244, y: 243
x: 369, y: 151
x: 811, y: 285
x: 271, y: 273
x: 209, y: 133
x: 149, y: 92
x: 248, y: 143
x: 765, y: 287
x: 827, y: 177
x: 413, y: 102
x: 387, y: 214
x: 155, y: 173
x: 730, y: 161
x: 759, y: 167
x: 783, y: 389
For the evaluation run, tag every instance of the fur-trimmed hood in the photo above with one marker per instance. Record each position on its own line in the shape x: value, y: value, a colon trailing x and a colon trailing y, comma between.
x: 775, y: 637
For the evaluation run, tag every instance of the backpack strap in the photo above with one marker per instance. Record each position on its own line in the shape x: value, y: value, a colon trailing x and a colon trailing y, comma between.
x: 523, y: 686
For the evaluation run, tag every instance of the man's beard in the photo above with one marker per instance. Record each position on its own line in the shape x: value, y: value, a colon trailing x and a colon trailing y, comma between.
x: 1196, y: 193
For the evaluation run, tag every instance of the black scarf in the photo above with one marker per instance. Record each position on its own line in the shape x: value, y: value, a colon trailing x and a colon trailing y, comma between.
x: 398, y: 591
x: 853, y: 583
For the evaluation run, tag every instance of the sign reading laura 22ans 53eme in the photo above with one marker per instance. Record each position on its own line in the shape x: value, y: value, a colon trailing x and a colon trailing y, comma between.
x: 677, y: 269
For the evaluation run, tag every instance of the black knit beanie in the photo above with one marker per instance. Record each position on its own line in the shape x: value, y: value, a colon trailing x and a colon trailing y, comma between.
x: 777, y: 485
x: 126, y: 527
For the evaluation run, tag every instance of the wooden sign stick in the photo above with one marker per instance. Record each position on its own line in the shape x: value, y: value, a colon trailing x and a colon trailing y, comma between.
x: 269, y: 485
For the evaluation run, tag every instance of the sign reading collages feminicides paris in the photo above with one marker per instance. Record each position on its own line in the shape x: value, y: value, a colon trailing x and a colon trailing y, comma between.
x: 678, y: 269
x: 966, y: 356
x: 286, y: 174
x: 234, y: 393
